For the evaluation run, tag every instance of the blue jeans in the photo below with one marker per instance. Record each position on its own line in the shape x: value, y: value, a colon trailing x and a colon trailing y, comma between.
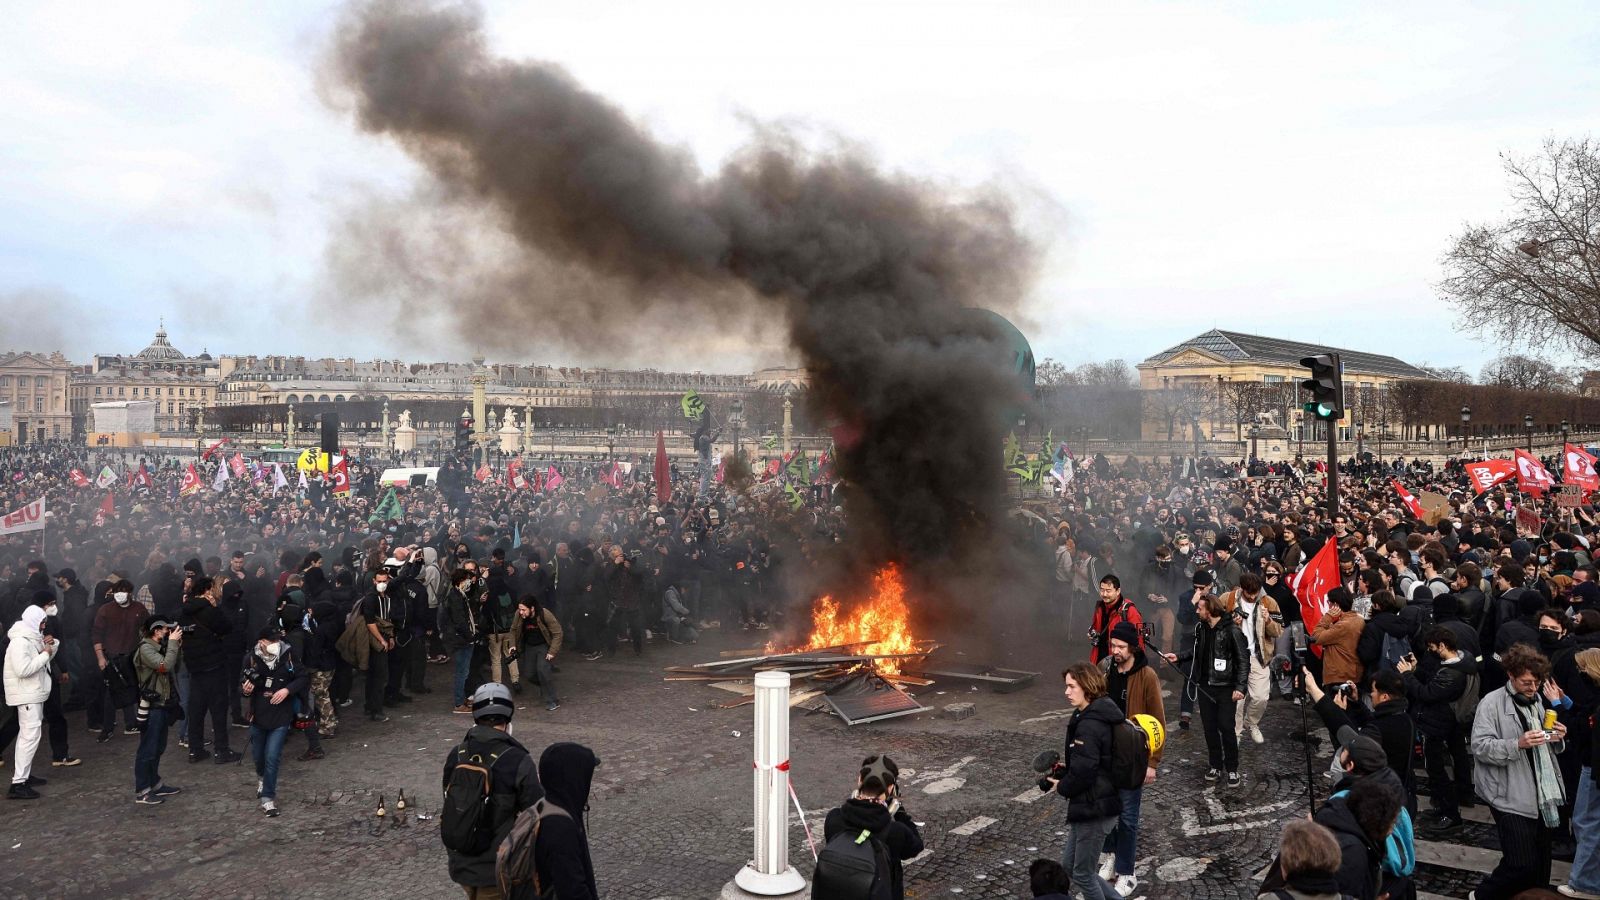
x: 1081, y: 858
x: 1586, y: 827
x: 463, y: 661
x: 266, y: 748
x: 152, y: 743
x: 1125, y: 836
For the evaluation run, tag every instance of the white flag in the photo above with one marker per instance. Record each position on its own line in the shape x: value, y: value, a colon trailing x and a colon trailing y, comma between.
x: 303, y: 484
x: 106, y: 478
x: 28, y: 518
x: 278, y: 481
x: 221, y: 481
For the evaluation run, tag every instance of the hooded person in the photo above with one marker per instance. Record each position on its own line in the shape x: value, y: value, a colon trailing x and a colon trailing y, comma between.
x: 27, y: 683
x: 875, y: 807
x: 561, y: 854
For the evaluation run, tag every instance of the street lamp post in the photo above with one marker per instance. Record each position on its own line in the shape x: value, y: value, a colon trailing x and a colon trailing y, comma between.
x: 1361, y: 434
x: 1566, y: 426
x: 1255, y: 433
x: 1466, y: 423
x: 611, y: 441
x: 1527, y: 426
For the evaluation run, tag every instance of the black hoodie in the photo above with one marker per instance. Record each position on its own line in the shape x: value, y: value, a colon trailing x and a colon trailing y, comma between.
x: 205, y: 644
x: 562, y: 852
x: 1360, y: 858
x: 897, y: 832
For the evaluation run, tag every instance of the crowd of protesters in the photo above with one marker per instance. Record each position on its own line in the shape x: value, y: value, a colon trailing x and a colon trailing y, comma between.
x: 245, y: 603
x: 1462, y: 645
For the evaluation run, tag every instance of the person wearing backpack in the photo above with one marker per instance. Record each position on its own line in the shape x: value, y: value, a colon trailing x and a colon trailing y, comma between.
x: 1136, y: 690
x: 1084, y: 777
x: 562, y: 866
x: 1440, y: 703
x: 1387, y: 637
x: 488, y: 779
x: 115, y: 634
x: 891, y: 838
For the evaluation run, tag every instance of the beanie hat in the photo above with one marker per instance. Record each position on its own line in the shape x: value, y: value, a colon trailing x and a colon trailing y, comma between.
x: 1125, y: 632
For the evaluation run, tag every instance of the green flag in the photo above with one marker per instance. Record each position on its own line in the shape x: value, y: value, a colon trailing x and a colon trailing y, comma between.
x: 693, y: 406
x: 1013, y: 450
x: 770, y: 442
x: 795, y: 500
x: 389, y: 508
x: 799, y: 468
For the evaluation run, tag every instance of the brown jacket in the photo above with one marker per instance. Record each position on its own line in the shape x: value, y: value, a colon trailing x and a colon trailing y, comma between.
x: 1269, y: 623
x: 1338, y: 636
x: 1143, y: 694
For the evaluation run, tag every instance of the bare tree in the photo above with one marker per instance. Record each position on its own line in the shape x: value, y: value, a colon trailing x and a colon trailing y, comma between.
x: 1527, y: 373
x: 1181, y: 404
x: 1241, y: 400
x: 1111, y: 373
x: 1051, y: 374
x: 1533, y: 280
x: 1450, y: 374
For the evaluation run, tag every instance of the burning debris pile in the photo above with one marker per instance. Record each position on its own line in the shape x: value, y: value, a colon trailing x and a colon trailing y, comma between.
x: 857, y: 663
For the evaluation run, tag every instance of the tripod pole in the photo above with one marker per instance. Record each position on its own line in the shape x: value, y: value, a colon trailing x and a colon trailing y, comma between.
x: 1311, y: 789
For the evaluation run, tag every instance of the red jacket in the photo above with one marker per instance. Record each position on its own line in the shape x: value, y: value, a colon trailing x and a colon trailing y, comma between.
x: 1106, y: 617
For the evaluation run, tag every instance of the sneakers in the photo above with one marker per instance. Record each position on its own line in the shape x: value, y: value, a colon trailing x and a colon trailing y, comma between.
x: 345, y: 702
x: 21, y: 792
x: 1125, y: 885
x: 1233, y: 779
x: 593, y: 656
x: 197, y: 757
x: 1567, y: 890
x: 1452, y: 822
x: 378, y: 717
x: 1255, y: 734
x: 1108, y: 866
x: 270, y: 808
x: 310, y: 755
x: 103, y: 738
x: 553, y: 705
x: 36, y: 781
x: 131, y: 730
x: 166, y: 790
x: 148, y: 798
x: 1213, y: 774
x: 462, y: 710
x: 1183, y: 722
x: 67, y: 763
x: 223, y: 757
x: 238, y: 723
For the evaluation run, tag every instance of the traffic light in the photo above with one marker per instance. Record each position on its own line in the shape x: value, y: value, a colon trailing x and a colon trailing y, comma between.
x: 464, y: 433
x: 1326, y: 385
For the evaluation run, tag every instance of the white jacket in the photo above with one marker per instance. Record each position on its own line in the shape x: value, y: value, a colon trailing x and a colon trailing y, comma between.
x: 27, y: 668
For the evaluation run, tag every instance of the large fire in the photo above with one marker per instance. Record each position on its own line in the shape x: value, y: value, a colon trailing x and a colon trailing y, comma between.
x: 880, y: 625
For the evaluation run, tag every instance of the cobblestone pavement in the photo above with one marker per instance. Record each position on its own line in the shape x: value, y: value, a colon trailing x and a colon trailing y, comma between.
x: 671, y: 812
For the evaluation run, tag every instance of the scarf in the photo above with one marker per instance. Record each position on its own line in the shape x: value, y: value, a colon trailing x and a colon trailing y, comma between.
x: 1546, y: 777
x: 270, y: 653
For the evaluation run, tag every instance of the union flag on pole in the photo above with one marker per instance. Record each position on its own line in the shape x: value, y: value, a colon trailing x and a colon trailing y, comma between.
x: 108, y: 508
x: 1487, y: 473
x: 212, y: 449
x: 1312, y: 585
x: 1532, y: 477
x: 514, y: 474
x: 143, y: 478
x: 553, y: 479
x: 191, y: 482
x: 1411, y: 503
x: 78, y: 478
x: 1577, y: 467
x: 339, y: 478
x: 484, y: 473
x: 237, y: 464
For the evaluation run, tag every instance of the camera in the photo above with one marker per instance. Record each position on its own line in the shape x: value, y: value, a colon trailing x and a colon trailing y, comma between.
x: 634, y: 555
x: 1094, y: 638
x: 1348, y: 692
x: 1048, y: 763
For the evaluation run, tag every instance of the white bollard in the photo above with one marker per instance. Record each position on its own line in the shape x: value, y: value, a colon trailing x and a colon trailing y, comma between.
x: 770, y: 874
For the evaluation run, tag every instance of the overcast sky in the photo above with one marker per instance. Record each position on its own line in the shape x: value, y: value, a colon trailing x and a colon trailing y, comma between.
x: 1257, y: 167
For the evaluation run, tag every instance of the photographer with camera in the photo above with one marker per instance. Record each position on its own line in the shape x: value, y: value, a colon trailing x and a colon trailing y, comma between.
x: 874, y: 810
x: 269, y: 682
x: 1450, y: 691
x: 1388, y: 722
x: 1218, y: 666
x: 155, y: 668
x: 624, y: 579
x: 1112, y: 610
x: 1083, y: 776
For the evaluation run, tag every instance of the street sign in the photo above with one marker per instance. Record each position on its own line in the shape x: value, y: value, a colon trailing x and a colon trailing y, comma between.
x: 1569, y: 496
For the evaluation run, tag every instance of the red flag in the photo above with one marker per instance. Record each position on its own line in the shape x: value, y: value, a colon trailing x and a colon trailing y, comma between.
x: 1577, y: 467
x: 613, y: 476
x: 237, y: 465
x: 143, y: 478
x: 1312, y: 585
x: 483, y: 473
x: 514, y: 474
x: 1490, y: 472
x: 339, y: 478
x: 108, y: 508
x: 663, y: 473
x: 78, y: 478
x: 191, y: 481
x: 1411, y: 503
x: 1532, y: 477
x: 720, y: 466
x: 553, y: 479
x: 212, y: 449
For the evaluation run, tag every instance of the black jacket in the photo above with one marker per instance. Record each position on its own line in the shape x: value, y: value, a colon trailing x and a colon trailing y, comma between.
x: 459, y: 626
x: 562, y: 852
x: 287, y: 674
x: 514, y: 788
x: 1433, y: 699
x: 1360, y: 858
x: 1087, y: 781
x: 1389, y: 723
x: 205, y: 646
x: 1370, y: 648
x: 898, y: 833
x: 1219, y: 657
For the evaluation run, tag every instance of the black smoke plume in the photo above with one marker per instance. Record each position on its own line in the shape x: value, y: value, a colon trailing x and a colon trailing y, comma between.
x: 873, y: 274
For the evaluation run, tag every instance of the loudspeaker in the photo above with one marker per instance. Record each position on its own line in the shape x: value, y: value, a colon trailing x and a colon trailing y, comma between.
x: 330, y: 433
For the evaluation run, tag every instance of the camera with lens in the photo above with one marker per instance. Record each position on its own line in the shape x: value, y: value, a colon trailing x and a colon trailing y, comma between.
x: 1048, y: 764
x: 1094, y: 636
x: 634, y: 555
x: 1348, y: 692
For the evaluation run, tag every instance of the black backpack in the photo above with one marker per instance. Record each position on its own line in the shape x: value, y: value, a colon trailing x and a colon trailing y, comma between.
x: 852, y: 866
x: 1130, y: 755
x: 467, y: 823
x: 121, y: 680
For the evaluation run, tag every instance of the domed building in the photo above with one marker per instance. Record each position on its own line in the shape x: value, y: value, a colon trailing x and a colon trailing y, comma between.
x: 177, y: 383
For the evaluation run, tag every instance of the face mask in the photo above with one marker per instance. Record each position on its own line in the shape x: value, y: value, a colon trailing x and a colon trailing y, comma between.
x: 50, y: 610
x: 121, y: 597
x: 382, y: 586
